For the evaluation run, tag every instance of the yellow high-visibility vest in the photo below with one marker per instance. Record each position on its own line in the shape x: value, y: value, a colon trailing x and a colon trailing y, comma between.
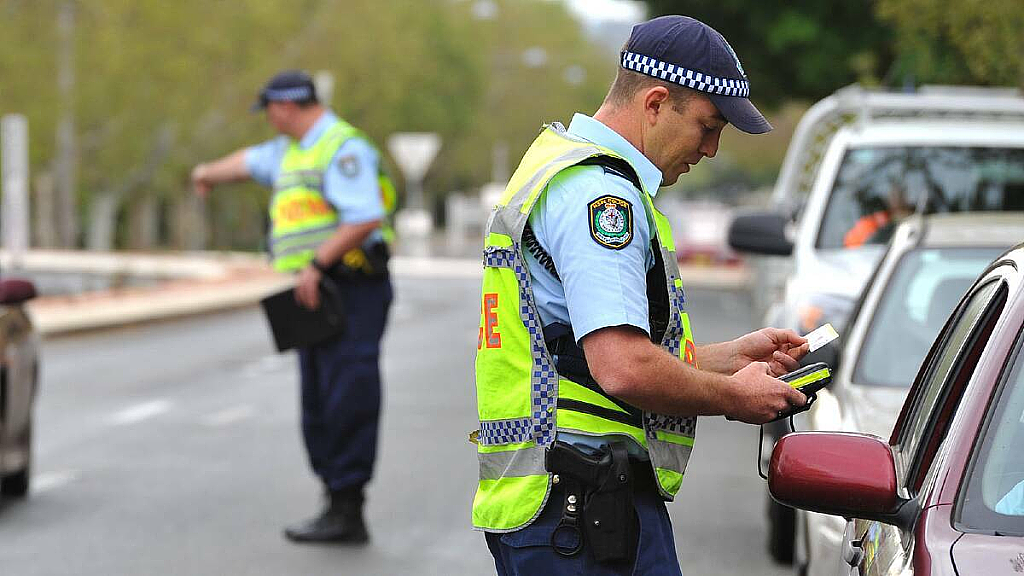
x: 518, y: 389
x: 301, y: 217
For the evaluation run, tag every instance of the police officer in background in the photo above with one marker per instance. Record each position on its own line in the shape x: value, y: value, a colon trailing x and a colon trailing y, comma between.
x: 588, y: 378
x: 327, y: 213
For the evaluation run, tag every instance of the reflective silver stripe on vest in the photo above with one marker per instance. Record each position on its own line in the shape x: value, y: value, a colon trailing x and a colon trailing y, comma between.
x: 300, y: 241
x: 668, y: 455
x: 313, y: 179
x: 514, y: 463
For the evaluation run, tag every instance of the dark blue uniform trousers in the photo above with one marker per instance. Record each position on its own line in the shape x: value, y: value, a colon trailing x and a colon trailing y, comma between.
x: 341, y: 389
x: 528, y: 552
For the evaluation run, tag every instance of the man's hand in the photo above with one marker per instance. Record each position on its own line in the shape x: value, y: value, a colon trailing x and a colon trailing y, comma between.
x: 758, y: 397
x: 780, y: 349
x: 199, y: 182
x: 307, y: 289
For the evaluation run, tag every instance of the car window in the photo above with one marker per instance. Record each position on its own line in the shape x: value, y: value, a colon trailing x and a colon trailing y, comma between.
x: 936, y: 397
x: 876, y: 187
x: 994, y: 499
x: 925, y: 287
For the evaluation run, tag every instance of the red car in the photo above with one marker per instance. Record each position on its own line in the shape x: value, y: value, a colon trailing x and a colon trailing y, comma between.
x: 945, y: 494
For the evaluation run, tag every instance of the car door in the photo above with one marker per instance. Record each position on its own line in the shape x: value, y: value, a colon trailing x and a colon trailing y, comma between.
x: 873, y: 548
x: 17, y: 377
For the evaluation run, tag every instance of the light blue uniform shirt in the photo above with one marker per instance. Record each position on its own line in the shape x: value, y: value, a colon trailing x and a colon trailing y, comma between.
x: 350, y: 183
x: 600, y: 287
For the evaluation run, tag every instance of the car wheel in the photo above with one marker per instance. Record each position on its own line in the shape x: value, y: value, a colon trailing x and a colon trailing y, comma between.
x: 16, y: 485
x: 781, y: 532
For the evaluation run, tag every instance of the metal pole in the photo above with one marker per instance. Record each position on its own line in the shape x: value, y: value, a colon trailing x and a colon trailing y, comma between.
x: 14, y: 223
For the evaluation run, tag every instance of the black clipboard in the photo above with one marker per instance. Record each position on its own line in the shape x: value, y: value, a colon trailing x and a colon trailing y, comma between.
x: 295, y: 326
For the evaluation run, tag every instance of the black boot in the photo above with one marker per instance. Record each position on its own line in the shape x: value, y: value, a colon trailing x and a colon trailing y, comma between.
x: 340, y: 521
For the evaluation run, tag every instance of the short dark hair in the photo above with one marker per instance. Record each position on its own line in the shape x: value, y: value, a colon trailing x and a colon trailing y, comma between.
x: 627, y: 83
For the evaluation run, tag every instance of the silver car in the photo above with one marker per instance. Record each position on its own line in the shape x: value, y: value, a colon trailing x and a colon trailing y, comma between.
x: 929, y: 265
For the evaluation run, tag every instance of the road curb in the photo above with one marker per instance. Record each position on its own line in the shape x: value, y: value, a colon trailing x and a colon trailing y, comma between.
x: 199, y: 283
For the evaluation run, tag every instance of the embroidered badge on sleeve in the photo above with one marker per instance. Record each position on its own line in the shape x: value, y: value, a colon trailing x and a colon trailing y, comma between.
x: 349, y: 165
x: 611, y: 222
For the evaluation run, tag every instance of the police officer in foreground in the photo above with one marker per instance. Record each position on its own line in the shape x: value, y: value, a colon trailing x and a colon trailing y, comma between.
x: 588, y: 378
x: 327, y: 213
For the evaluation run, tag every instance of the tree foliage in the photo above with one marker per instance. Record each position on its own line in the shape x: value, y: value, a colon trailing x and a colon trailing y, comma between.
x: 809, y: 48
x: 798, y: 49
x: 160, y: 86
x: 968, y: 42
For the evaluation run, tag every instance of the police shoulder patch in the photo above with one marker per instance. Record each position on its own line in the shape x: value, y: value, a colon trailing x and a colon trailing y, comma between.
x: 349, y: 165
x: 611, y: 222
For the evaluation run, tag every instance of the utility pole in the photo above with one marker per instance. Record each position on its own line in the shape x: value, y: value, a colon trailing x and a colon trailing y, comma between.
x: 66, y: 161
x: 14, y: 222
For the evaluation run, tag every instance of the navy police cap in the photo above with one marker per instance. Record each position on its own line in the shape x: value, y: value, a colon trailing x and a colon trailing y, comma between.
x: 690, y: 53
x: 287, y: 86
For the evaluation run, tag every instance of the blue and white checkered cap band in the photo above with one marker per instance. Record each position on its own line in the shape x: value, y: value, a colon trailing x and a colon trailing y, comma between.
x: 684, y: 77
x: 294, y: 94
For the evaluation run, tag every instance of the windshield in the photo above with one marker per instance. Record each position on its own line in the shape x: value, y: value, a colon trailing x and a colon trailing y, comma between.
x: 921, y: 294
x: 994, y: 500
x: 877, y: 187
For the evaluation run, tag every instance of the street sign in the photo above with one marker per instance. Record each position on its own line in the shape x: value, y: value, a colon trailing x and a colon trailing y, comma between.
x: 413, y: 152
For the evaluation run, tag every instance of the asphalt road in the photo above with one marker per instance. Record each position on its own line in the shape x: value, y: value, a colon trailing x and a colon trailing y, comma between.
x: 174, y: 448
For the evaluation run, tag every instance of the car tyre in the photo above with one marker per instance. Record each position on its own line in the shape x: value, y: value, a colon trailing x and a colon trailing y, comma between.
x: 16, y: 485
x: 781, y: 532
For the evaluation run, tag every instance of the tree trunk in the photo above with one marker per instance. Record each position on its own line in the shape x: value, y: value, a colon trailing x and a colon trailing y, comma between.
x: 45, y: 212
x: 145, y: 223
x: 66, y: 162
x: 102, y: 221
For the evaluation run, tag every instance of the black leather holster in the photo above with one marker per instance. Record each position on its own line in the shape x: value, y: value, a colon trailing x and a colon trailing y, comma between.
x: 603, y: 515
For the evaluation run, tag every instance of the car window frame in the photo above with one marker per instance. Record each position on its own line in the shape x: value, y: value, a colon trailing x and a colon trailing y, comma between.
x: 1007, y: 370
x: 885, y: 292
x: 914, y: 459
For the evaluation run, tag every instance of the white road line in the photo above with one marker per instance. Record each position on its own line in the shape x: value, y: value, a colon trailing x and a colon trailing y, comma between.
x: 267, y: 365
x: 50, y: 480
x: 230, y: 415
x: 140, y: 412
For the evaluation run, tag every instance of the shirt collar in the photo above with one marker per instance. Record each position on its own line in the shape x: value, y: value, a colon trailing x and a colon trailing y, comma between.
x: 595, y: 131
x: 319, y: 127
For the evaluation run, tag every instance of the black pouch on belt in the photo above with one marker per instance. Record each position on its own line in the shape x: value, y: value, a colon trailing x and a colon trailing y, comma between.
x: 608, y: 518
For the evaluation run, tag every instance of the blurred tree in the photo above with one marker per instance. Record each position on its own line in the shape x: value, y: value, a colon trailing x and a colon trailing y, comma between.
x: 797, y: 49
x: 159, y: 86
x: 808, y: 48
x: 970, y: 42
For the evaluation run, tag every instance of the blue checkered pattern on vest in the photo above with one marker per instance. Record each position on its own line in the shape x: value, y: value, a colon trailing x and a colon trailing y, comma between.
x: 505, y: 431
x: 685, y: 77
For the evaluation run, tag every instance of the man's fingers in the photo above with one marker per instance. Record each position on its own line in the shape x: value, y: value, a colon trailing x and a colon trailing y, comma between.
x: 795, y: 397
x: 800, y: 351
x: 784, y: 361
x: 787, y: 336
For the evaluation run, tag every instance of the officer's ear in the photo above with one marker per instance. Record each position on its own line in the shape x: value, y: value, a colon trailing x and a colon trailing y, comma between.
x: 655, y: 101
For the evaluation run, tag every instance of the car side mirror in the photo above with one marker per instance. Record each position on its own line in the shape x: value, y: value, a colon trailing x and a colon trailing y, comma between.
x: 843, y: 474
x: 760, y: 233
x: 16, y: 291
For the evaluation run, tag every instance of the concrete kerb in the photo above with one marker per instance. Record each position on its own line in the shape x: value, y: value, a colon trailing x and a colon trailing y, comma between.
x: 202, y: 282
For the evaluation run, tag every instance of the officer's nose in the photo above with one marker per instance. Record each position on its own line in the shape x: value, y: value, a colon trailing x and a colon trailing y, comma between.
x: 709, y: 147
